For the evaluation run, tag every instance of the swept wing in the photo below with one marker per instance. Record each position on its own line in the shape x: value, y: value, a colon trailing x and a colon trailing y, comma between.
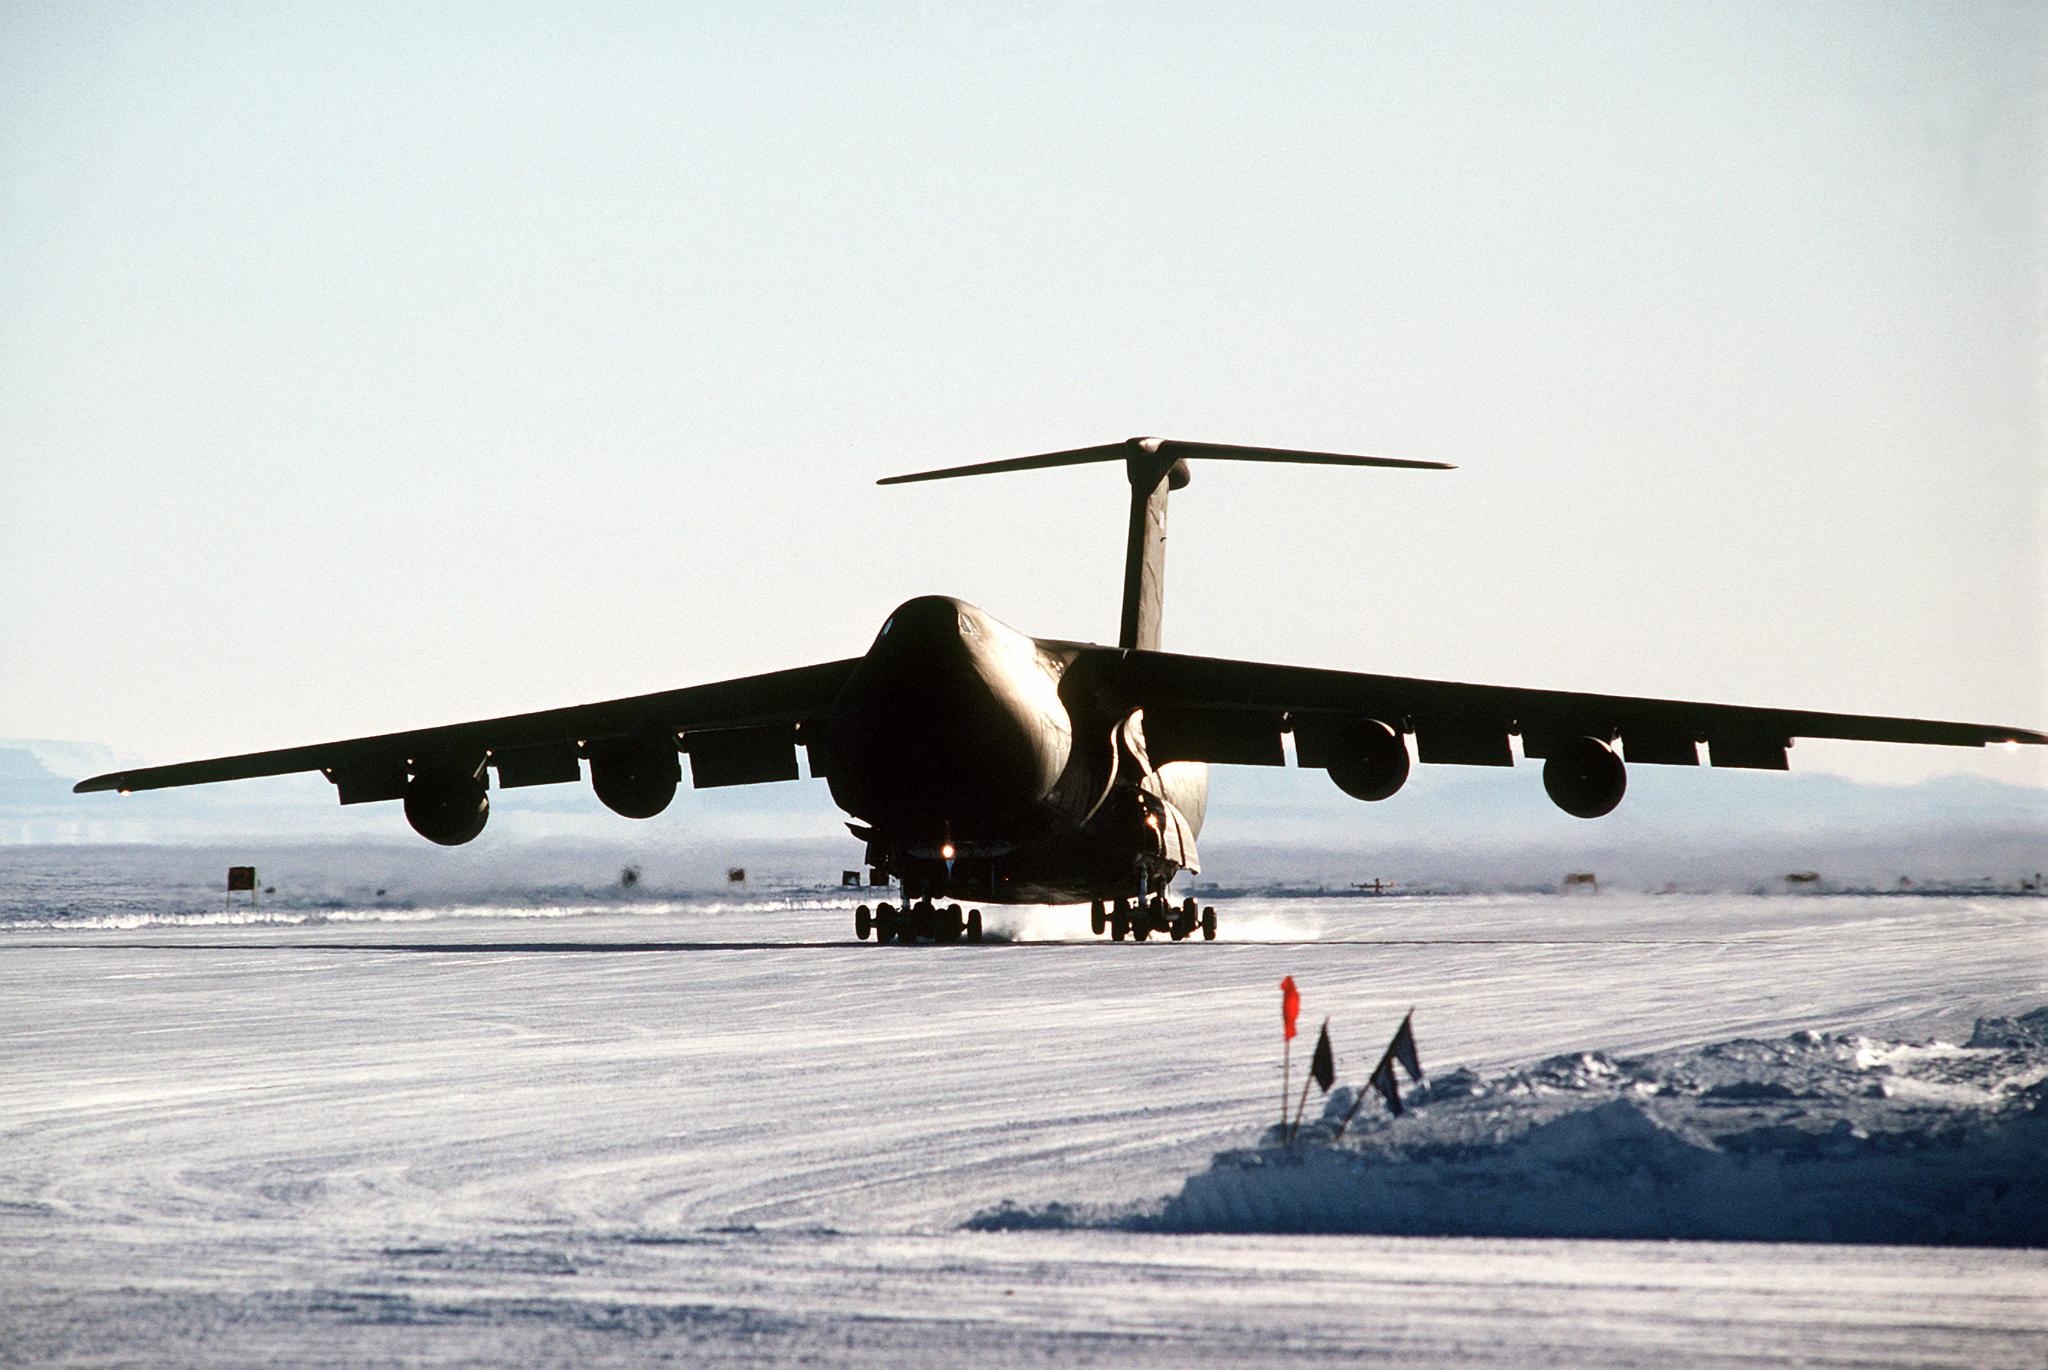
x: 1212, y: 709
x: 735, y: 730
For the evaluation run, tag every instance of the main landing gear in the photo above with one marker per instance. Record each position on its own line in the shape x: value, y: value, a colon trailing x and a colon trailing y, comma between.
x: 1140, y: 918
x: 915, y: 921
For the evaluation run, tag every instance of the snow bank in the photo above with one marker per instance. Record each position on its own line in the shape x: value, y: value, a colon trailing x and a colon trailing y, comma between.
x: 1812, y: 1137
x: 1807, y: 1138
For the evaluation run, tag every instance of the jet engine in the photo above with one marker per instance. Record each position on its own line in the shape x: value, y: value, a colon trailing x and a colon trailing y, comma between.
x: 1368, y: 760
x: 447, y: 804
x: 1584, y: 777
x: 636, y: 777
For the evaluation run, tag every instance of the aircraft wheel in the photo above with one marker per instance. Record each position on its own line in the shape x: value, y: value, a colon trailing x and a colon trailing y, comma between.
x: 885, y: 923
x: 1209, y: 924
x: 1098, y: 917
x: 974, y: 925
x: 953, y: 924
x: 862, y: 921
x: 1119, y: 927
x: 1141, y: 929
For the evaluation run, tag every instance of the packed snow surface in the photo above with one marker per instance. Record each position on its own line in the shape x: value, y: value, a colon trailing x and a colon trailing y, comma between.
x: 534, y: 1116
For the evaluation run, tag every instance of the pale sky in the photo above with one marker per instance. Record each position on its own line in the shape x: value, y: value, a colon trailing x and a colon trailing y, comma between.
x: 365, y: 369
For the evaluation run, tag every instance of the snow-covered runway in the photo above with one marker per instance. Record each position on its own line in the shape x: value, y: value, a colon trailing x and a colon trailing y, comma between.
x: 606, y: 1131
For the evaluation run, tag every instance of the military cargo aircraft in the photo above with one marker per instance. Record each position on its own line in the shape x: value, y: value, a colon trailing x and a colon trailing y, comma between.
x: 980, y: 764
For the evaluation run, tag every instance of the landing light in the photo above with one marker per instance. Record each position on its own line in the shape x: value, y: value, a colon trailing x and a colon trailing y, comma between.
x: 947, y: 851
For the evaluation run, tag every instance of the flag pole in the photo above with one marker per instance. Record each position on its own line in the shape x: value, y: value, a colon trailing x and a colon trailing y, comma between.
x: 1359, y: 1097
x: 1286, y: 1078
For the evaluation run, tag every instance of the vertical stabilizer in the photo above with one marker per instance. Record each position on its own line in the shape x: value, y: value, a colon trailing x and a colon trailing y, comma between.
x: 1155, y: 466
x: 1151, y: 476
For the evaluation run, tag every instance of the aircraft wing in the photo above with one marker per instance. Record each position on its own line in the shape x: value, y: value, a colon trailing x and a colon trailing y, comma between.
x: 737, y: 731
x: 1210, y: 709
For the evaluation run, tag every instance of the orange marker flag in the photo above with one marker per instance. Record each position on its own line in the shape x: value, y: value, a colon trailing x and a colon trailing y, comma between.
x: 1290, y: 1005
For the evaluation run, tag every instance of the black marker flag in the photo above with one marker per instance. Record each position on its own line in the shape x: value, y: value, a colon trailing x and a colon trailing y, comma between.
x: 1383, y: 1081
x: 1324, y: 1065
x: 1322, y: 1068
x: 1401, y: 1049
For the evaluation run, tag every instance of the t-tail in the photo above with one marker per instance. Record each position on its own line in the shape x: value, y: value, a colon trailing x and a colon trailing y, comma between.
x: 1154, y: 466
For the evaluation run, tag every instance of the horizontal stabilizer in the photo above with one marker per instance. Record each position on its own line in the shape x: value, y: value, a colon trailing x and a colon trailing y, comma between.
x: 1166, y: 449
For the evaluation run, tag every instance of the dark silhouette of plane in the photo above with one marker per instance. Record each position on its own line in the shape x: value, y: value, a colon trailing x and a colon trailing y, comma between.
x: 985, y: 765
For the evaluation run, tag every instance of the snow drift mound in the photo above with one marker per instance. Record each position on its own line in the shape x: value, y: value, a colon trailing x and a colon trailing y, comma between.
x: 1812, y: 1138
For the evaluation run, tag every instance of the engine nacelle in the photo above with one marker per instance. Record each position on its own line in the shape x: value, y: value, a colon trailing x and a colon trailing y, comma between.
x: 447, y: 804
x: 636, y: 777
x: 1368, y: 760
x: 1584, y: 777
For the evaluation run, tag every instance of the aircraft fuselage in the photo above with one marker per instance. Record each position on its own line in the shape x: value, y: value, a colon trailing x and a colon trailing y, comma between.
x: 982, y: 767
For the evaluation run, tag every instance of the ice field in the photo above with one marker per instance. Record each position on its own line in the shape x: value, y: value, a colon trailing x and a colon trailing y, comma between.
x: 569, y: 1124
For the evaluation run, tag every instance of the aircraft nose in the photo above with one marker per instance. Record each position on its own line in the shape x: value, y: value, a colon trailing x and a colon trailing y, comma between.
x: 925, y: 733
x: 923, y: 627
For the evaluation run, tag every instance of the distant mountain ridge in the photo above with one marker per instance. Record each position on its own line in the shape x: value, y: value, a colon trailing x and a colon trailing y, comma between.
x: 66, y: 760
